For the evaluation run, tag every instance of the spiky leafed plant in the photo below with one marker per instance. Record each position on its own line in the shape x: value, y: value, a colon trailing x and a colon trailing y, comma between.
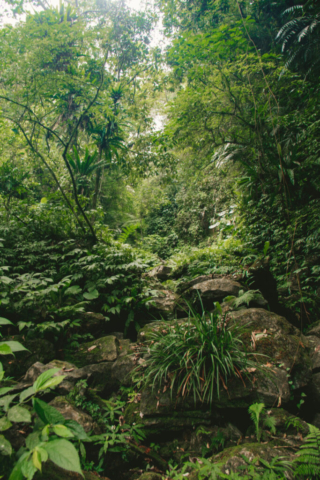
x: 300, y: 38
x: 83, y: 168
x: 196, y: 358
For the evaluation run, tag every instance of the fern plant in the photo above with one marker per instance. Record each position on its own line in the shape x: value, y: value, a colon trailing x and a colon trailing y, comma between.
x: 244, y: 298
x: 308, y: 458
x: 256, y: 411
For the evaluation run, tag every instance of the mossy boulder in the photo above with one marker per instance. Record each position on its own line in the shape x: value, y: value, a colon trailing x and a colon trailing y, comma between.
x: 51, y: 471
x: 70, y: 412
x: 98, y: 376
x: 105, y: 349
x: 150, y: 476
x: 271, y: 335
x: 212, y: 290
x: 164, y: 304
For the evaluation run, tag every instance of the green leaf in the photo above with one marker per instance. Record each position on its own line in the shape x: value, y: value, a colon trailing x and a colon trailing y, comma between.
x: 28, y: 469
x: 19, y: 414
x: 53, y: 382
x: 44, y: 200
x: 44, y: 377
x: 47, y: 413
x: 74, y: 290
x: 77, y: 430
x: 4, y: 424
x: 4, y: 321
x: 5, y: 390
x: 33, y: 440
x: 5, y: 349
x: 5, y: 446
x: 62, y: 431
x: 36, y: 460
x: 43, y: 454
x: 16, y: 473
x: 91, y: 295
x: 63, y: 453
x: 26, y: 393
x: 5, y: 401
x: 15, y: 346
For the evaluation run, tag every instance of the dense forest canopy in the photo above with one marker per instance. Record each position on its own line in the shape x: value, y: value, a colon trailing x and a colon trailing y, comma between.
x: 184, y: 134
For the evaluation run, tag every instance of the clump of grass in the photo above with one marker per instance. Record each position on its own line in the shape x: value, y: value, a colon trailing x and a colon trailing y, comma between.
x: 197, y: 357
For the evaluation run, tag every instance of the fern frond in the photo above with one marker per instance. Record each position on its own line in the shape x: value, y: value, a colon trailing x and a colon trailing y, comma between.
x: 127, y: 231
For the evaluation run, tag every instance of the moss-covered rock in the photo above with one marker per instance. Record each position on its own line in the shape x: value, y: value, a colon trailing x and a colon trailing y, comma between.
x: 269, y: 334
x: 150, y: 476
x: 164, y: 304
x: 70, y: 412
x: 50, y: 471
x: 105, y: 349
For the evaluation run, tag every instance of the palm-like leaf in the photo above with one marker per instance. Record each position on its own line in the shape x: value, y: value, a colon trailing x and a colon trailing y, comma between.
x: 300, y: 38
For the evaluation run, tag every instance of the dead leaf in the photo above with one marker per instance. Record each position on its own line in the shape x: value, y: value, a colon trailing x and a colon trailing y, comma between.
x: 92, y: 348
x: 69, y: 370
x: 279, y: 402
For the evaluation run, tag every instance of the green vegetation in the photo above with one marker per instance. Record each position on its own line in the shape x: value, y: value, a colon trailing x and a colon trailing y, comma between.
x: 142, y: 148
x: 196, y: 358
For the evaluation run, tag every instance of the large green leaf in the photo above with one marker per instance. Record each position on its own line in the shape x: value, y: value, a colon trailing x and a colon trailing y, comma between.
x: 5, y: 321
x: 5, y: 349
x: 4, y: 424
x: 19, y: 414
x: 15, y: 346
x: 26, y: 393
x: 5, y: 446
x: 5, y: 390
x: 91, y: 295
x: 74, y: 290
x: 64, y: 454
x: 47, y: 413
x: 16, y: 473
x: 77, y: 430
x: 44, y: 377
x: 62, y: 431
x: 5, y: 401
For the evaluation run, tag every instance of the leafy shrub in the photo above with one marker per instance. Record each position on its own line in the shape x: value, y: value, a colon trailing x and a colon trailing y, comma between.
x: 196, y: 357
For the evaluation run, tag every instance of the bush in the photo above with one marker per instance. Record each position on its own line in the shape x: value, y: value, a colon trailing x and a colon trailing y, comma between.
x: 197, y: 357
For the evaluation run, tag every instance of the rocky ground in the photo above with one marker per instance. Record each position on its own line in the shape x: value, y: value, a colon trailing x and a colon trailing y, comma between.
x: 178, y: 430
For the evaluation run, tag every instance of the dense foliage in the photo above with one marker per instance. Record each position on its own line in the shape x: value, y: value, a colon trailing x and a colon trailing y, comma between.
x: 118, y: 155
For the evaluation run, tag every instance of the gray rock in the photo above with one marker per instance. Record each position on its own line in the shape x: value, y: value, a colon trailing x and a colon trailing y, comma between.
x: 276, y: 338
x: 314, y: 344
x: 98, y: 376
x: 232, y: 458
x: 162, y: 273
x: 70, y: 412
x: 314, y: 388
x: 105, y: 349
x: 164, y: 304
x: 214, y: 290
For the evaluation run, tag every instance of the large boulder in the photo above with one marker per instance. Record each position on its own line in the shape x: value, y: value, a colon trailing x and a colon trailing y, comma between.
x: 93, y: 323
x: 314, y: 345
x: 276, y: 345
x: 161, y: 273
x: 51, y: 471
x: 105, y: 349
x: 269, y: 334
x: 164, y: 304
x: 212, y: 290
x: 70, y: 412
